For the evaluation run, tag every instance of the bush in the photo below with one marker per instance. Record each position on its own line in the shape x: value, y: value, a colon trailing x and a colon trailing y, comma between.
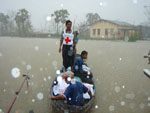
x: 134, y: 37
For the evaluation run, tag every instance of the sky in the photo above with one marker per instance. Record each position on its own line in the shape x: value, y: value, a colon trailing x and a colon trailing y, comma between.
x: 131, y: 11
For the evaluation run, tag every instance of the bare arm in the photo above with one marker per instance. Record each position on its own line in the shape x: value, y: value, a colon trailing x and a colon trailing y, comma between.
x: 60, y: 45
x: 58, y: 97
x: 90, y: 93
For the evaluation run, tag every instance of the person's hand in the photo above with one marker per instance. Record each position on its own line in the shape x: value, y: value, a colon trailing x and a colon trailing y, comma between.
x: 52, y: 97
x: 59, y: 49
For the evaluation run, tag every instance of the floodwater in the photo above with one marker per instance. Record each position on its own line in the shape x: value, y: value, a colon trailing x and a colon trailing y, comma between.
x: 121, y: 86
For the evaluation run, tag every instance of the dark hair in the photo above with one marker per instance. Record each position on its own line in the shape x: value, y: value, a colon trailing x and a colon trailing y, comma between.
x: 84, y: 52
x: 68, y: 21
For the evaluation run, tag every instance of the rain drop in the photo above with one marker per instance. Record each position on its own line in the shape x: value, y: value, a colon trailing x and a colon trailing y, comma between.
x: 45, y: 79
x: 96, y: 106
x: 15, y: 72
x: 49, y: 77
x: 111, y: 108
x: 36, y: 48
x: 59, y: 79
x: 26, y: 92
x: 40, y: 96
x: 33, y: 100
x: 28, y: 67
x: 122, y: 103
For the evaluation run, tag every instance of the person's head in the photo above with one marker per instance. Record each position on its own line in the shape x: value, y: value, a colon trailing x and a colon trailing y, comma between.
x: 84, y: 54
x: 68, y: 24
x: 68, y: 76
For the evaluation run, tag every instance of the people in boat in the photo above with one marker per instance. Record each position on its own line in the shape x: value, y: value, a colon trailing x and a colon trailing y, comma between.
x: 74, y: 92
x: 68, y: 46
x: 84, y: 74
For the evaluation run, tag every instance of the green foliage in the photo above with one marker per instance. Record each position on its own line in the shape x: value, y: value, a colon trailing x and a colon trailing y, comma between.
x: 60, y: 16
x: 23, y: 22
x: 4, y: 19
x: 92, y: 18
x: 134, y: 37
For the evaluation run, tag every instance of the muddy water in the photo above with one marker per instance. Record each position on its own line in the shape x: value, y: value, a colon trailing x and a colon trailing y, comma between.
x: 121, y: 86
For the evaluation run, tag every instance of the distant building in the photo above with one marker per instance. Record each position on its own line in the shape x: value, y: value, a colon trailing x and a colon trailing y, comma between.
x: 108, y: 29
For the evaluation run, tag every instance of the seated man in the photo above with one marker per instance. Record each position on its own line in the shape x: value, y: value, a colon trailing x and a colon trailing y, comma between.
x: 74, y: 92
x: 79, y: 66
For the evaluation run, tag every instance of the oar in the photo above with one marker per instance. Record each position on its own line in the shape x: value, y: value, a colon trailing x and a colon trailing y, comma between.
x: 17, y: 92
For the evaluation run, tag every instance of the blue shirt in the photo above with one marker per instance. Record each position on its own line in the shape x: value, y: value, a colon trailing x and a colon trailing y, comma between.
x: 74, y: 93
x: 78, y: 65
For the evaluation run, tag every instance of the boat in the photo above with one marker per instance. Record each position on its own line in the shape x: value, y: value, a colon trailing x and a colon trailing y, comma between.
x: 61, y: 106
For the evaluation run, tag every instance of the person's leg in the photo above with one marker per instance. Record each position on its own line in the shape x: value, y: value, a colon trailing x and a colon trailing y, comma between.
x: 64, y: 54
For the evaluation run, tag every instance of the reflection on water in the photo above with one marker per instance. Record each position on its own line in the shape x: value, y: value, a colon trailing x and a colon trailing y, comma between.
x: 117, y: 67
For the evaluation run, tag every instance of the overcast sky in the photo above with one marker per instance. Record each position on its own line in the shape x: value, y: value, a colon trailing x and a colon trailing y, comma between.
x: 131, y: 11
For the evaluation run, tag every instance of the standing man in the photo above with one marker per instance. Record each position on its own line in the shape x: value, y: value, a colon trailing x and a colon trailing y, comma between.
x: 68, y: 46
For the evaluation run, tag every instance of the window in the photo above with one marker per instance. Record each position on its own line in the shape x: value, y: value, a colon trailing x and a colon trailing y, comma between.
x: 98, y: 32
x: 94, y: 32
x: 106, y: 31
x: 112, y: 31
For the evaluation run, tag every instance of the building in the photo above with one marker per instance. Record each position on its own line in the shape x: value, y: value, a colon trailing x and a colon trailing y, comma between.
x: 108, y: 29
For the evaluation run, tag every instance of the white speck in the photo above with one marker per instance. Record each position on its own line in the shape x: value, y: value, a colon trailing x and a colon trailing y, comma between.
x: 122, y: 103
x: 26, y: 92
x: 76, y: 67
x: 69, y: 79
x: 96, y: 106
x: 120, y: 59
x: 40, y: 96
x: 69, y: 98
x: 130, y: 96
x: 49, y: 77
x: 45, y: 79
x: 48, y: 18
x: 101, y: 3
x: 4, y: 90
x: 148, y: 104
x: 1, y: 54
x: 15, y: 72
x: 123, y: 86
x: 88, y: 76
x: 49, y: 54
x: 61, y: 5
x: 148, y: 98
x: 32, y: 76
x: 33, y: 100
x: 28, y: 67
x: 59, y: 79
x: 135, y: 1
x: 36, y: 48
x: 41, y: 69
x: 111, y: 108
x: 142, y: 106
x: 1, y: 110
x: 117, y: 89
x: 54, y: 82
x: 58, y: 72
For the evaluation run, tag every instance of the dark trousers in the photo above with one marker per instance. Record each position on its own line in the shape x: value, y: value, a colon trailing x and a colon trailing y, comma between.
x: 68, y: 55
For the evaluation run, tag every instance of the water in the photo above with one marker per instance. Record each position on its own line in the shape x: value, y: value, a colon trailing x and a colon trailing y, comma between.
x: 121, y: 86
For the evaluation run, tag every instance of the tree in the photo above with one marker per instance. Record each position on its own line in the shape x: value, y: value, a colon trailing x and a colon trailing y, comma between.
x: 4, y: 24
x: 22, y: 19
x: 92, y: 18
x: 147, y: 14
x: 60, y: 16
